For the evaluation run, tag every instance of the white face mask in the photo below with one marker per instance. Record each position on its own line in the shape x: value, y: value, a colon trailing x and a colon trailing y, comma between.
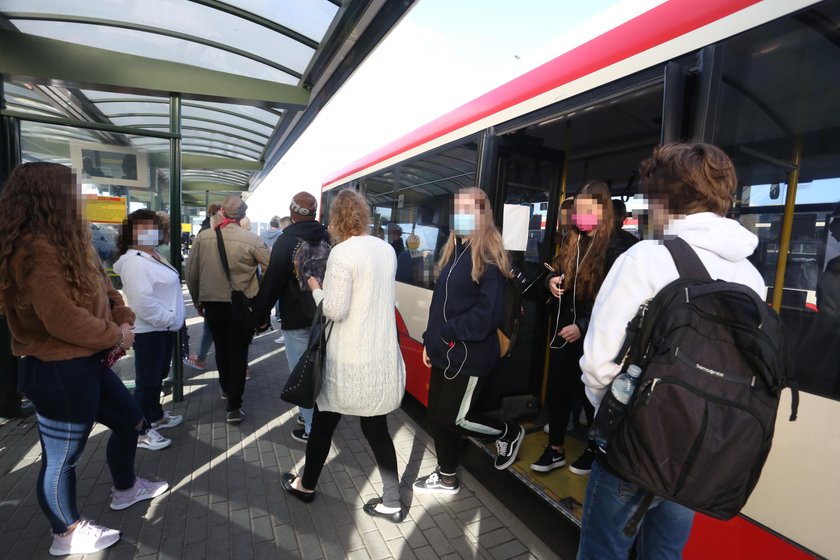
x: 148, y: 238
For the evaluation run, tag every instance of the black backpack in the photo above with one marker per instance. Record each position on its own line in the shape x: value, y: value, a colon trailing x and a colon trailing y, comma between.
x: 515, y: 288
x: 699, y: 426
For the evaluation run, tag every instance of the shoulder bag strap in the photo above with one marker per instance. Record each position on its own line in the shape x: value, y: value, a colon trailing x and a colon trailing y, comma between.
x: 223, y: 255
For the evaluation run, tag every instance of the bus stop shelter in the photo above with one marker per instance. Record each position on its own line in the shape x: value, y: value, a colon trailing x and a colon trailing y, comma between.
x: 172, y: 104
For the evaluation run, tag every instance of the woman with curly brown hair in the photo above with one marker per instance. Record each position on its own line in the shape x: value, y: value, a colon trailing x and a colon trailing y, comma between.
x: 65, y: 316
x: 364, y: 374
x: 586, y: 255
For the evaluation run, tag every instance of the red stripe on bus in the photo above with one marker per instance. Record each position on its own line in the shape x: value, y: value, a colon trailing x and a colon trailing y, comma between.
x: 655, y: 27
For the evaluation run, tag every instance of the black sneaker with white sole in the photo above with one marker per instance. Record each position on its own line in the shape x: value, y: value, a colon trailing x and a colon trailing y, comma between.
x: 235, y: 416
x: 435, y: 484
x: 583, y: 464
x: 300, y: 435
x: 550, y: 459
x: 507, y: 446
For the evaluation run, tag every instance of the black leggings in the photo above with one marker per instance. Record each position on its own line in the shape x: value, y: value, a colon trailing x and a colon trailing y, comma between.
x: 451, y: 416
x: 375, y: 430
x: 565, y: 389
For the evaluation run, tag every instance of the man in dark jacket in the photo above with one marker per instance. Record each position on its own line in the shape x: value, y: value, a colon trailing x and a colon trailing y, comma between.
x: 280, y: 284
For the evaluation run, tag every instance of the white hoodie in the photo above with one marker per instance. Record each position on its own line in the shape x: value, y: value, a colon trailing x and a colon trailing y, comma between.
x: 153, y: 291
x: 640, y: 273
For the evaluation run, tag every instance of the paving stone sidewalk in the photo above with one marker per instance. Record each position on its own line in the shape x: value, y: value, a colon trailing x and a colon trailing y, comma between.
x: 226, y: 501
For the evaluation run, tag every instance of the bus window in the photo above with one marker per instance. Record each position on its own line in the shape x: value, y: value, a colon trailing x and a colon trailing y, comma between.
x: 415, y: 217
x: 777, y: 106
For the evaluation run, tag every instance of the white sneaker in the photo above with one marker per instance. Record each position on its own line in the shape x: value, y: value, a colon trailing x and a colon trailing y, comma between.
x: 142, y: 490
x: 153, y: 440
x: 280, y: 340
x: 88, y: 537
x: 168, y: 420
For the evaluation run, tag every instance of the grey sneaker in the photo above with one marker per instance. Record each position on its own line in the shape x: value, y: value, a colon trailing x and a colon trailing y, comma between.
x: 168, y: 420
x: 153, y: 440
x: 142, y: 490
x: 86, y: 538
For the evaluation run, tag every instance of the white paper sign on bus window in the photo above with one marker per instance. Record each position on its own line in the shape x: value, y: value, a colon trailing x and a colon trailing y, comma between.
x: 515, y: 227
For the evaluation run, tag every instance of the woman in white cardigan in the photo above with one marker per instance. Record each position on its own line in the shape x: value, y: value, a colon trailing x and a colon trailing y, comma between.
x: 364, y: 374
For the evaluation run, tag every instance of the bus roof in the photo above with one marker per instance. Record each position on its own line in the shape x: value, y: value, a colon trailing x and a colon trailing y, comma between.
x: 668, y: 30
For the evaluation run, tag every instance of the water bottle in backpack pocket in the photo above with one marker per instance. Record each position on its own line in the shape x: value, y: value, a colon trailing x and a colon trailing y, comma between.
x: 614, y: 406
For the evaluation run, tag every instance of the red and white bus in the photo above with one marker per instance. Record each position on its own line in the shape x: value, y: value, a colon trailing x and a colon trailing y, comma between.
x: 761, y: 79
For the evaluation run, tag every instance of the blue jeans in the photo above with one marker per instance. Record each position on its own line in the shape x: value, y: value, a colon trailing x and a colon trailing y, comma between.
x: 610, y: 502
x: 152, y: 357
x: 69, y: 395
x: 206, y: 342
x: 297, y: 341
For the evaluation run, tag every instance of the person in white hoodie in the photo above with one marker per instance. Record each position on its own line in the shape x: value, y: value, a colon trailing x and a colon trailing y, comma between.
x: 153, y: 288
x: 689, y: 188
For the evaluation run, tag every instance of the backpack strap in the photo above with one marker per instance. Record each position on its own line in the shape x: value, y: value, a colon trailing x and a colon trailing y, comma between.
x: 632, y: 526
x: 688, y: 263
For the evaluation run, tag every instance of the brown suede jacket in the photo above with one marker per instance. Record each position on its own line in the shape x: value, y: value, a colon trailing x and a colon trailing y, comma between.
x: 46, y: 323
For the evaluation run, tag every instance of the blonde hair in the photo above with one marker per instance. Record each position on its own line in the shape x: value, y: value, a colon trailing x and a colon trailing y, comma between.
x: 349, y: 216
x: 245, y: 223
x: 486, y: 240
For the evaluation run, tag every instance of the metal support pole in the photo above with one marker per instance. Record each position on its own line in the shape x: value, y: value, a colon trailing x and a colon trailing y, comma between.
x: 787, y: 226
x: 175, y: 227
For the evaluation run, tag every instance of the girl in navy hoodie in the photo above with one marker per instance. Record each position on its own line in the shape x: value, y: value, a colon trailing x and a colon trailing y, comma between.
x: 460, y: 343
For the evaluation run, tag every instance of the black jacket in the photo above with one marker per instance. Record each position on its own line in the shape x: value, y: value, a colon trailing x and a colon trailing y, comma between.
x: 465, y: 341
x: 280, y: 282
x: 579, y: 311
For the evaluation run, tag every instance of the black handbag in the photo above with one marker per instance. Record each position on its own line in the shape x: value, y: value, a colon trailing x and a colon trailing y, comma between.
x: 241, y: 306
x: 304, y: 382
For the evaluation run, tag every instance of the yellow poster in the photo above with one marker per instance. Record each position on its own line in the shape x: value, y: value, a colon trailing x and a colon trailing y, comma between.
x: 186, y: 227
x: 105, y: 209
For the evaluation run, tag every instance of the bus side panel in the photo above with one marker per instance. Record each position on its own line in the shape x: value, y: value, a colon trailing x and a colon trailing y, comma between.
x: 712, y: 539
x: 416, y: 372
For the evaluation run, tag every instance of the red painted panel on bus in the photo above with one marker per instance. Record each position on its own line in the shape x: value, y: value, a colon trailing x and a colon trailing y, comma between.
x: 654, y: 27
x: 736, y: 539
x: 416, y: 373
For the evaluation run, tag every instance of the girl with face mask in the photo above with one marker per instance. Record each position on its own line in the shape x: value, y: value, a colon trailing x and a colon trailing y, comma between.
x: 586, y: 255
x: 460, y: 344
x: 153, y: 288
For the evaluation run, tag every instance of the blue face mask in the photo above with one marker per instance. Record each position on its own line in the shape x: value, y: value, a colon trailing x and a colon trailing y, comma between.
x: 463, y: 224
x: 148, y: 238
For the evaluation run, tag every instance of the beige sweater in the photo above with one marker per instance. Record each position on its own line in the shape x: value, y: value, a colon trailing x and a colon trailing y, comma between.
x: 46, y: 323
x: 206, y: 278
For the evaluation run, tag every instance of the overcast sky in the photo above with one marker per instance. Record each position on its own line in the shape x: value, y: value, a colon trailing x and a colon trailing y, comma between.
x: 443, y: 54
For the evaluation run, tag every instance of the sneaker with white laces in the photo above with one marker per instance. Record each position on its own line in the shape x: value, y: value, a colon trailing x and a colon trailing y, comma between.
x: 550, y: 459
x: 507, y: 446
x: 168, y: 420
x: 142, y: 490
x: 280, y: 340
x: 435, y: 484
x: 299, y: 419
x: 86, y: 538
x: 153, y: 440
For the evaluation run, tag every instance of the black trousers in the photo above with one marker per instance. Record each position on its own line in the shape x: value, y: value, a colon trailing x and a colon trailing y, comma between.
x: 451, y: 416
x: 375, y: 430
x: 232, y: 341
x: 565, y: 390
